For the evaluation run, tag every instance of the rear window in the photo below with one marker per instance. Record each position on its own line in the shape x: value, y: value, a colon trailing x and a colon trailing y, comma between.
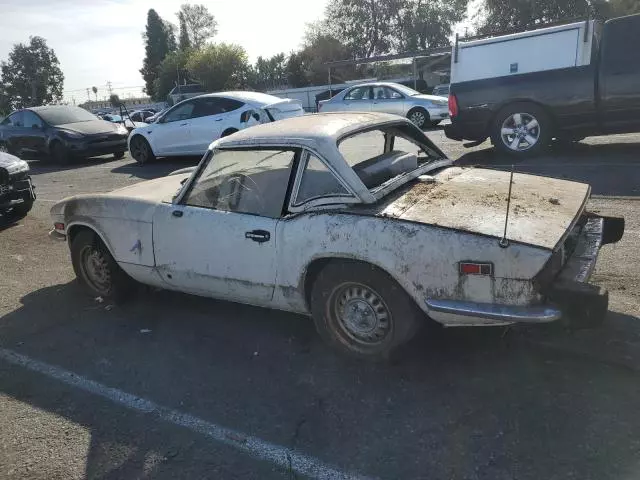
x: 381, y: 155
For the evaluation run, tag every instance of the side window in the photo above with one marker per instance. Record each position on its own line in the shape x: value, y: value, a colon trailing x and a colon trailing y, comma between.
x: 229, y: 104
x: 244, y: 181
x: 183, y: 111
x: 618, y: 56
x: 363, y: 146
x: 14, y: 120
x: 392, y: 94
x: 318, y: 181
x: 31, y: 120
x: 358, y: 93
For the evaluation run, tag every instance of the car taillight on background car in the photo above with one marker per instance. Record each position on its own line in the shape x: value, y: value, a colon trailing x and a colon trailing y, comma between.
x: 453, y: 106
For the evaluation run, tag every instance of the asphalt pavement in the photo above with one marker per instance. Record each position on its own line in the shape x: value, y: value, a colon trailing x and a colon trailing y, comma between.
x: 175, y: 386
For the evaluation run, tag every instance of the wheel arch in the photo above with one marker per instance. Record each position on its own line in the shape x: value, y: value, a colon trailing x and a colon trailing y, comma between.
x: 74, y: 228
x: 142, y: 135
x: 511, y: 101
x: 228, y: 131
x: 316, y: 265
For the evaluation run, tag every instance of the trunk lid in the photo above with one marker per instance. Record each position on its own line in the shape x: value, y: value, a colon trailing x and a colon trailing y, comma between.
x: 543, y: 210
x: 287, y: 107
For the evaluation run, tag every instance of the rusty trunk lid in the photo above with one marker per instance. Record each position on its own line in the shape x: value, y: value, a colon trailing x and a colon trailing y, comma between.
x: 474, y: 200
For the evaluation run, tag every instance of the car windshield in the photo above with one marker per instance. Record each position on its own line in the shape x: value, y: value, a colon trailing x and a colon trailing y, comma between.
x: 381, y: 155
x: 64, y: 115
x: 410, y: 92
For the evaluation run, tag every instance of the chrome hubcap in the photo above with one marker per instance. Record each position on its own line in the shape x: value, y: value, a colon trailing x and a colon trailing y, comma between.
x: 362, y: 314
x: 520, y: 131
x: 418, y: 118
x: 96, y: 269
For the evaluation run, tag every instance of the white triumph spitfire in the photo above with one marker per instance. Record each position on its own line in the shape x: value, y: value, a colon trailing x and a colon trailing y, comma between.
x: 356, y: 219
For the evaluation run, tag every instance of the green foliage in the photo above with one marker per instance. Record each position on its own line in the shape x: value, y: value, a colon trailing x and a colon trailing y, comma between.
x: 500, y: 15
x: 197, y: 25
x: 296, y: 75
x: 376, y: 27
x: 31, y: 76
x: 114, y: 100
x: 172, y: 69
x: 268, y: 73
x: 219, y: 66
x: 159, y: 41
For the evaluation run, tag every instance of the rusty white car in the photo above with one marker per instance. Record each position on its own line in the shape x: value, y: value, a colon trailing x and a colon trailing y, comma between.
x: 356, y: 219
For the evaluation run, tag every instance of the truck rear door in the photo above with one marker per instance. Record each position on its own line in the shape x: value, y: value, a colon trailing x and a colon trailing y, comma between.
x: 619, y: 76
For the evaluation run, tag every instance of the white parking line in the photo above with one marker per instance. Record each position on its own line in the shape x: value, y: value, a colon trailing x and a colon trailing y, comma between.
x: 279, y: 455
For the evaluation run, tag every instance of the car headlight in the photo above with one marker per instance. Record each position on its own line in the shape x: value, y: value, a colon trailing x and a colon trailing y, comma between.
x: 69, y: 134
x: 17, y: 167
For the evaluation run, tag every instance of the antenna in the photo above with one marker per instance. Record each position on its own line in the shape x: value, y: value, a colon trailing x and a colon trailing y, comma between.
x: 504, y: 242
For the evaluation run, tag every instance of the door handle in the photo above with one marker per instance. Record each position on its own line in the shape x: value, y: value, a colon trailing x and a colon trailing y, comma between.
x: 259, y: 236
x: 177, y: 213
x: 218, y: 120
x: 184, y: 124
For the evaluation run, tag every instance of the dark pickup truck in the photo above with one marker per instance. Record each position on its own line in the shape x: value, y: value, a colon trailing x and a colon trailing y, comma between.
x: 523, y: 112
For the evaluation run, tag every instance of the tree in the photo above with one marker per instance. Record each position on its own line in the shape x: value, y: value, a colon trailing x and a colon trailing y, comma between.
x: 160, y: 40
x: 114, y: 100
x: 269, y: 73
x: 296, y: 75
x: 95, y: 92
x: 184, y: 43
x: 499, y: 15
x: 219, y: 67
x: 422, y: 25
x: 32, y: 75
x: 172, y: 70
x: 318, y: 50
x: 199, y: 25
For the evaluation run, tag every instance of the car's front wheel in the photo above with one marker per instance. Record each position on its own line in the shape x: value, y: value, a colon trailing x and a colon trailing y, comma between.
x: 59, y: 153
x: 419, y: 117
x: 141, y: 150
x: 96, y: 269
x: 362, y: 311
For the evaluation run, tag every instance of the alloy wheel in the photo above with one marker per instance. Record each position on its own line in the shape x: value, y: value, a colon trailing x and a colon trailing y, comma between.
x: 520, y: 132
x: 418, y: 118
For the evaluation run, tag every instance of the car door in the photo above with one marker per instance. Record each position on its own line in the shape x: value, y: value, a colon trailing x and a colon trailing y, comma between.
x: 34, y: 136
x: 208, y: 122
x: 619, y: 82
x: 387, y: 100
x: 219, y: 238
x: 358, y: 99
x: 11, y: 130
x: 171, y: 135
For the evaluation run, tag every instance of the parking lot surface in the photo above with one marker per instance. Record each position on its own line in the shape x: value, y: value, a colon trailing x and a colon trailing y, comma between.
x: 175, y: 386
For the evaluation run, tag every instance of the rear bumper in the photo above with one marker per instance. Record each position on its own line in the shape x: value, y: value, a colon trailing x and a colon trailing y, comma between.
x: 459, y: 131
x: 568, y: 298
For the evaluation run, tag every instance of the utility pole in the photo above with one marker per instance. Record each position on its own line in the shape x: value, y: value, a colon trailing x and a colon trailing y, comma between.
x: 109, y: 88
x: 88, y: 95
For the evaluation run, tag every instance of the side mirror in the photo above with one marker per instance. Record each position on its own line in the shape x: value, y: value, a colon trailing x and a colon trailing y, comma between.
x: 244, y: 117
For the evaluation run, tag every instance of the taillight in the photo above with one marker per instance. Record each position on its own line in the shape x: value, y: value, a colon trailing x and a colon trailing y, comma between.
x: 59, y: 226
x: 474, y: 268
x: 453, y: 106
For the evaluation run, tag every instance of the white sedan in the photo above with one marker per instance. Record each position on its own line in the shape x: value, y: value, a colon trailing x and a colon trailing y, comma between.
x: 190, y: 126
x: 387, y: 97
x: 357, y: 219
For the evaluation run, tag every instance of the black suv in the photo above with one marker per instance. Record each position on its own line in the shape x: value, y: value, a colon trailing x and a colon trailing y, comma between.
x: 61, y: 132
x: 16, y: 190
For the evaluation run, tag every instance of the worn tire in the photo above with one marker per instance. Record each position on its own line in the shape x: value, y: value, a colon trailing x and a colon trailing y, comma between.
x: 544, y: 129
x: 59, y: 154
x: 419, y: 116
x: 141, y: 150
x: 118, y: 155
x: 112, y: 283
x: 337, y: 281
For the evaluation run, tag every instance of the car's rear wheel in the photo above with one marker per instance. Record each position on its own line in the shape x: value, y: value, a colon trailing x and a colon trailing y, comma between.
x: 59, y: 153
x: 228, y: 131
x: 141, y: 150
x: 360, y: 310
x: 96, y: 270
x: 419, y: 117
x: 521, y: 130
x: 118, y: 155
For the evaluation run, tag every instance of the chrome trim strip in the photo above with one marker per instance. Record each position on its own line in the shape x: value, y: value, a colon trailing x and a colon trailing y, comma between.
x: 492, y: 311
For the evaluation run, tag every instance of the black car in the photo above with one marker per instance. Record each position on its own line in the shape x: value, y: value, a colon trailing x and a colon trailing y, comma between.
x: 61, y: 132
x: 16, y: 191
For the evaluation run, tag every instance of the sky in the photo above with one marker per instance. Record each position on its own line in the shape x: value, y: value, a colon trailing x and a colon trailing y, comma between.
x: 101, y: 40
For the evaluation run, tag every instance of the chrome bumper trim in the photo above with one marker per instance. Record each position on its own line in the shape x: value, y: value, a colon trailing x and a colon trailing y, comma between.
x: 57, y: 235
x: 492, y: 311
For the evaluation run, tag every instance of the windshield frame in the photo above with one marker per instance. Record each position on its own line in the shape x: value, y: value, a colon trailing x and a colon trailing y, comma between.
x: 42, y: 114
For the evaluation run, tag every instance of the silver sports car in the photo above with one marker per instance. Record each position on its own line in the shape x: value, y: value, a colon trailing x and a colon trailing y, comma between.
x: 422, y: 110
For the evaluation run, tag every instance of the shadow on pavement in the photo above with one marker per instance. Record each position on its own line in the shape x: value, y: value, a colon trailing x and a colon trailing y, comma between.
x: 158, y: 168
x: 608, y: 168
x: 462, y: 403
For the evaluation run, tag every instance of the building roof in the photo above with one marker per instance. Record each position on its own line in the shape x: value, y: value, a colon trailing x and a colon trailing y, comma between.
x: 308, y: 129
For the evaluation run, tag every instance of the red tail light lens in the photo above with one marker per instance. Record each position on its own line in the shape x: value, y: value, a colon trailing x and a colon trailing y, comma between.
x: 453, y: 106
x: 472, y: 268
